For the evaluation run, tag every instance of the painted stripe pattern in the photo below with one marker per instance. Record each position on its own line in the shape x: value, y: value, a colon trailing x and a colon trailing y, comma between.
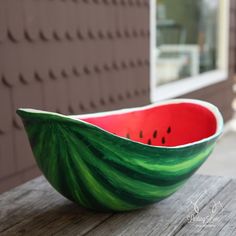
x: 104, y: 172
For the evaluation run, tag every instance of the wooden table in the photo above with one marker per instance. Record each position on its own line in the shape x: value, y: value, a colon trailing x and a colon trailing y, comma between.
x: 204, y: 206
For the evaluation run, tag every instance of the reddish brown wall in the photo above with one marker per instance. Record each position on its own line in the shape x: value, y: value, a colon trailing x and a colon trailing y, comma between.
x: 70, y: 57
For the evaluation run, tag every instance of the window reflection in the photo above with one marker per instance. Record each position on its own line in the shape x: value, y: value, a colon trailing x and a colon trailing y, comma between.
x: 186, y: 38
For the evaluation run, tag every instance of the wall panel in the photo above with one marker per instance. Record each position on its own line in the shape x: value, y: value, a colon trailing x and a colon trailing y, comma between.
x: 71, y: 57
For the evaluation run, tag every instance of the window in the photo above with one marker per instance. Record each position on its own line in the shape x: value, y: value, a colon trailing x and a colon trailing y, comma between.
x: 189, y: 45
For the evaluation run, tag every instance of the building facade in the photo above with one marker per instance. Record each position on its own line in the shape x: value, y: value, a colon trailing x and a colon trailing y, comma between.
x: 77, y: 57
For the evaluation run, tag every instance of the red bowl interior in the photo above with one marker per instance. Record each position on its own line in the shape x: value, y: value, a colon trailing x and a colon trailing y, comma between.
x: 165, y: 125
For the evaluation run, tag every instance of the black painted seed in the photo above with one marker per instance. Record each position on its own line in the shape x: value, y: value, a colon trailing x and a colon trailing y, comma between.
x: 149, y: 142
x: 168, y: 130
x: 163, y: 140
x: 128, y: 136
x: 141, y: 134
x: 155, y: 134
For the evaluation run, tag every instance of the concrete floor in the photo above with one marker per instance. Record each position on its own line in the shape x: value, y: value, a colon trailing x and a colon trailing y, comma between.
x: 222, y: 161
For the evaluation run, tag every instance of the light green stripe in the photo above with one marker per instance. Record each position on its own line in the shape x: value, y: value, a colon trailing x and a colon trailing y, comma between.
x: 122, y: 181
x: 134, y: 163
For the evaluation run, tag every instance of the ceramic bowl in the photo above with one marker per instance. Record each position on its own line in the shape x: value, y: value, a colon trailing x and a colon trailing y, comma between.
x: 126, y: 159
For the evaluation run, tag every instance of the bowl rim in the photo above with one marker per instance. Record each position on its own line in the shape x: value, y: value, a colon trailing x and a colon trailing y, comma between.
x: 78, y: 119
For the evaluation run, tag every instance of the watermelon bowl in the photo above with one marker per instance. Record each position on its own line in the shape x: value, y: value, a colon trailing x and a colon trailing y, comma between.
x: 126, y: 159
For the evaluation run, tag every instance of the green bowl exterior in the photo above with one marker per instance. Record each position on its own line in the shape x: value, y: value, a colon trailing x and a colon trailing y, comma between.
x: 104, y: 172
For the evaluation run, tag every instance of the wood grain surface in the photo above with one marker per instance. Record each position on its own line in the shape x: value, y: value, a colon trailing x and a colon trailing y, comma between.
x: 204, y: 206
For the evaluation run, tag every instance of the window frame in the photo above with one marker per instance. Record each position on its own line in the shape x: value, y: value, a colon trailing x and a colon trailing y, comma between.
x: 180, y: 87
